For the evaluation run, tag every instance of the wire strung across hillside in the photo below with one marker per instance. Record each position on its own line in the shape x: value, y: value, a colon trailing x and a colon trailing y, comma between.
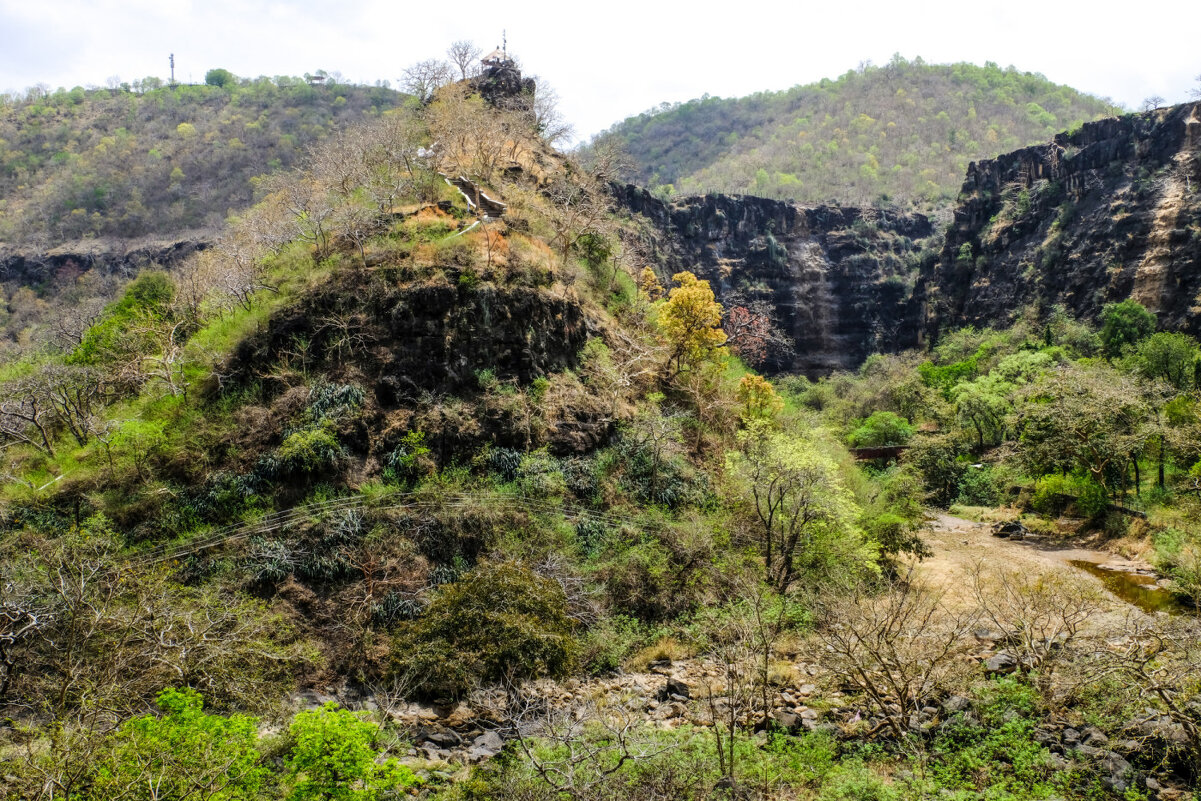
x: 168, y: 552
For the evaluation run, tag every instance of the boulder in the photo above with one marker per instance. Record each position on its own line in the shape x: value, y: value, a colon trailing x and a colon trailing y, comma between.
x: 1001, y: 663
x: 486, y: 746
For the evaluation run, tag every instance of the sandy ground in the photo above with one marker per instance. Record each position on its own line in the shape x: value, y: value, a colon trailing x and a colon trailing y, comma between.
x: 960, y: 545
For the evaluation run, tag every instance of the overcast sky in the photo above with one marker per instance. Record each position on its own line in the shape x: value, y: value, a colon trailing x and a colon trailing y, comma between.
x: 610, y: 59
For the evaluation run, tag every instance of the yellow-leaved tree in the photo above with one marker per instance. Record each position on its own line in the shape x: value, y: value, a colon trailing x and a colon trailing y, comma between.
x: 690, y: 321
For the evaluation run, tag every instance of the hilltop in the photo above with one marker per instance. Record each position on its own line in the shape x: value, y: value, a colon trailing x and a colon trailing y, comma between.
x: 158, y: 160
x: 903, y: 133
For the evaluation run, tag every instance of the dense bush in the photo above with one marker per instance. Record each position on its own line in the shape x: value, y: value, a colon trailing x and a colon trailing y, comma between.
x: 1055, y: 494
x: 498, y: 622
x: 880, y: 430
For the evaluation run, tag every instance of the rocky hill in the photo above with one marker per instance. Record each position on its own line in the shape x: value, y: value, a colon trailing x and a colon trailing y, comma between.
x: 900, y: 133
x: 1104, y: 213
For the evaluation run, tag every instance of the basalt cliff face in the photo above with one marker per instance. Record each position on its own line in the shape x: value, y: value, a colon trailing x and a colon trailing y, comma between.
x: 34, y: 267
x: 839, y: 279
x: 1108, y: 212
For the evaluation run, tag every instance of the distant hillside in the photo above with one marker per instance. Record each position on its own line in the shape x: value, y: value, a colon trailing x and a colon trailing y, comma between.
x: 903, y: 133
x: 161, y: 160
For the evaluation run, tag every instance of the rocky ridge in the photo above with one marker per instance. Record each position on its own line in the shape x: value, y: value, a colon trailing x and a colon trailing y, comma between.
x: 1097, y: 215
x: 839, y: 279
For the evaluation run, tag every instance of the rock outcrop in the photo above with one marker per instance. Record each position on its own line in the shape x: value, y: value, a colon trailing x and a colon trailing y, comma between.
x: 31, y: 267
x: 839, y: 279
x: 1104, y: 213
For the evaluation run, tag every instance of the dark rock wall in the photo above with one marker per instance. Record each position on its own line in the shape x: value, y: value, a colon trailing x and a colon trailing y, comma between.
x: 839, y: 279
x: 1108, y: 212
x: 29, y: 267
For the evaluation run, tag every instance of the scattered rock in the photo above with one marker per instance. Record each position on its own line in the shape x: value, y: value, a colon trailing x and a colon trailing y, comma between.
x: 1117, y: 772
x: 675, y: 689
x: 444, y: 738
x: 787, y: 720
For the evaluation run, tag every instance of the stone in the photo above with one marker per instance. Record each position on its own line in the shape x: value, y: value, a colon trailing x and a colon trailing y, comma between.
x: 956, y: 703
x: 787, y: 720
x: 678, y: 687
x: 486, y: 746
x: 444, y: 738
x: 1001, y: 663
x: 1095, y: 738
x: 1117, y: 772
x: 1011, y: 530
x: 807, y: 689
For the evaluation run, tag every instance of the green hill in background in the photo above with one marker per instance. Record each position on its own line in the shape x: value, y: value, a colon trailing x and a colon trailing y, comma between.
x: 902, y: 133
x: 130, y: 162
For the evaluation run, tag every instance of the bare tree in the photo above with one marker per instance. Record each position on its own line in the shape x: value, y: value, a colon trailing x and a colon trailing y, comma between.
x: 545, y: 118
x: 308, y: 208
x: 26, y: 414
x: 163, y: 361
x: 590, y: 740
x: 607, y: 159
x: 578, y: 206
x: 901, y: 648
x: 76, y: 394
x: 68, y: 328
x: 425, y: 78
x: 1153, y: 102
x: 1040, y: 614
x: 1158, y: 659
x: 464, y: 55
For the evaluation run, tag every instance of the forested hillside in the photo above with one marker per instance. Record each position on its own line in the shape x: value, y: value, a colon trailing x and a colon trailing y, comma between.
x: 902, y: 133
x: 466, y: 489
x: 155, y: 159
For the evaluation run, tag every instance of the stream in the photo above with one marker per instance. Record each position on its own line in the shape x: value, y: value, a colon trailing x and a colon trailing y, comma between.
x: 1137, y: 589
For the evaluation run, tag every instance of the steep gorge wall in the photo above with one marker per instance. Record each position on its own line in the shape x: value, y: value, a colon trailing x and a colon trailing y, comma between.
x: 34, y: 267
x: 839, y: 279
x: 1108, y: 212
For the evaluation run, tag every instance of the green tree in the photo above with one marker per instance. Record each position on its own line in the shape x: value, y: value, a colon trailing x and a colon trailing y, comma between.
x: 1124, y: 325
x: 335, y: 759
x: 882, y: 429
x: 219, y: 77
x: 805, y: 514
x: 1169, y: 357
x: 1090, y: 417
x: 185, y: 753
x: 758, y: 398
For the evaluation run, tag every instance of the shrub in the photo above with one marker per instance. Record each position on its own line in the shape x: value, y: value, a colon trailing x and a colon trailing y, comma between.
x: 410, y: 459
x: 882, y: 429
x: 192, y: 752
x: 499, y: 621
x: 334, y: 758
x: 978, y: 487
x: 308, y: 451
x: 937, y: 460
x: 1053, y: 495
